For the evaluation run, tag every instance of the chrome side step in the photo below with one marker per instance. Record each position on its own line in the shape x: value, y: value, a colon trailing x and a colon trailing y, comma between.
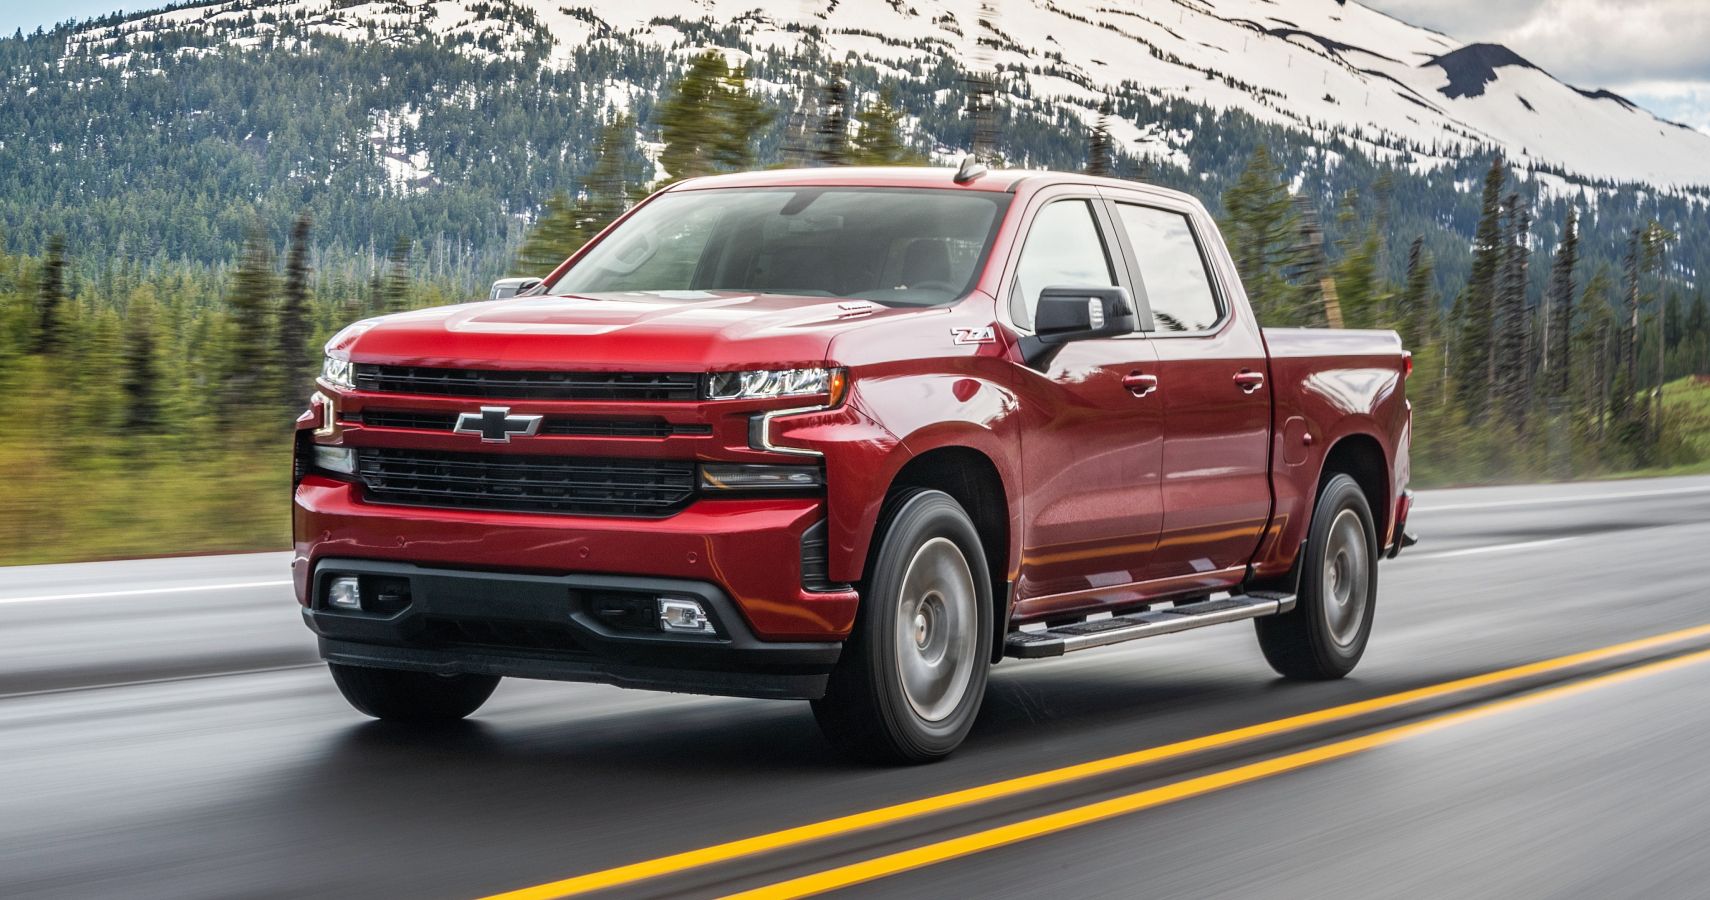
x: 1103, y: 632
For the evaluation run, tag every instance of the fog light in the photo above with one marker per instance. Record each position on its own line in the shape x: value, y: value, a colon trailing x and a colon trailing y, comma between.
x: 345, y: 592
x: 341, y: 460
x: 683, y: 616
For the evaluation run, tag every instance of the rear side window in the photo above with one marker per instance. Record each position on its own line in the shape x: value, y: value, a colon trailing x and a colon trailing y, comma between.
x: 1171, y: 268
x: 1063, y: 249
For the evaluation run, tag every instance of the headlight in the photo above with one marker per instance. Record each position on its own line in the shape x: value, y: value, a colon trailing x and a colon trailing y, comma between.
x: 338, y: 372
x: 778, y: 383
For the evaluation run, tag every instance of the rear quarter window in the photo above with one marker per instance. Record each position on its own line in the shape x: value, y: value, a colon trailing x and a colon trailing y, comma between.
x: 1172, y: 270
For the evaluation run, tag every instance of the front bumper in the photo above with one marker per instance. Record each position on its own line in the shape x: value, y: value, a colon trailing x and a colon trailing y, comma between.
x: 546, y: 626
x: 749, y: 550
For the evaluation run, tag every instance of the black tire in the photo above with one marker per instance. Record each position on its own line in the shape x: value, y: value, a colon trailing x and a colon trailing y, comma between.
x: 871, y: 709
x: 418, y: 697
x: 1319, y: 639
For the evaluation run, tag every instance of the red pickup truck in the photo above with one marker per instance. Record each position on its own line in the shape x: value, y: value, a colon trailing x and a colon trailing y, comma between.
x: 849, y: 436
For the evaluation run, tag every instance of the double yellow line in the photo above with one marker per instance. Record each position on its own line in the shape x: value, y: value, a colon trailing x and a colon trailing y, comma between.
x: 1019, y: 831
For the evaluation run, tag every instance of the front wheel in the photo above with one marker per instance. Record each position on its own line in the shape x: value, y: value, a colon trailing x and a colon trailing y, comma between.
x: 420, y: 697
x: 913, y: 672
x: 1325, y: 634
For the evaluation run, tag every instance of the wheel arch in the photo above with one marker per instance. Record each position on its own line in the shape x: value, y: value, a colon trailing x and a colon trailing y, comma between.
x: 973, y: 480
x: 1361, y: 457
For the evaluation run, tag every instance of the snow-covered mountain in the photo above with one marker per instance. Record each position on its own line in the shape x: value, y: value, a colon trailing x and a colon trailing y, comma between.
x: 1325, y: 67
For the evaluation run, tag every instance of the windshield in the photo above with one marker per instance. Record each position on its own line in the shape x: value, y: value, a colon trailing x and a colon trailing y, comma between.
x: 897, y: 247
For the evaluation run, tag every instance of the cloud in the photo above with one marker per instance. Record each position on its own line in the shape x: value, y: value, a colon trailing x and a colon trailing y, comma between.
x: 1594, y: 43
x: 1650, y: 50
x: 1685, y: 102
x: 1465, y: 19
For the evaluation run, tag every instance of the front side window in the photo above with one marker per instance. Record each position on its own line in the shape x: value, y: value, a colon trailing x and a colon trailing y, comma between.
x: 1063, y: 249
x: 1171, y: 268
x: 897, y: 247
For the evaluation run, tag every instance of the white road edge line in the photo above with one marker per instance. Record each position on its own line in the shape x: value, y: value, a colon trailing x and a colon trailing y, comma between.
x: 230, y: 586
x: 167, y: 679
x: 1494, y: 548
x: 1544, y: 501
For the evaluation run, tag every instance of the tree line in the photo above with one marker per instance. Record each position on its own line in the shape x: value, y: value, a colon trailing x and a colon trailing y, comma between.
x: 1511, y: 380
x: 167, y: 384
x: 711, y: 122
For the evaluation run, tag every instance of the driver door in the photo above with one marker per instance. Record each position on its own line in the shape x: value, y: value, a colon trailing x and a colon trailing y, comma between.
x: 1092, y: 443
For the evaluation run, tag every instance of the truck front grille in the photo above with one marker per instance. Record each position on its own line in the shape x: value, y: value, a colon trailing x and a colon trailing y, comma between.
x: 526, y: 483
x: 568, y: 426
x: 495, y: 384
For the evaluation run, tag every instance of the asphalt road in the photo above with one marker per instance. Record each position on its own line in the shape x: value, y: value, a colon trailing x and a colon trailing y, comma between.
x: 166, y: 731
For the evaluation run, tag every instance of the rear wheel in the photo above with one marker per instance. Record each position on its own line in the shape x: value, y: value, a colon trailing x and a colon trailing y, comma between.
x: 398, y: 696
x: 909, y: 683
x: 1325, y: 634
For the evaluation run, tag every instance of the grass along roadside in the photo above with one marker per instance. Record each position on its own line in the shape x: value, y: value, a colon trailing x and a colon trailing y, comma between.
x: 206, y: 489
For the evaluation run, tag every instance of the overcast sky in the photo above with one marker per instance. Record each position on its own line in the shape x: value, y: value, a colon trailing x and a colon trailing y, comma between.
x: 1656, y: 52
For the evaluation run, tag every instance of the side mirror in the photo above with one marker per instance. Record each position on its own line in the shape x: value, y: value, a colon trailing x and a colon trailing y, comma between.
x: 510, y: 287
x: 1068, y: 314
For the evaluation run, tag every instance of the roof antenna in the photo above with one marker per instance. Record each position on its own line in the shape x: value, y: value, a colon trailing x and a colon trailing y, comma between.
x: 970, y: 170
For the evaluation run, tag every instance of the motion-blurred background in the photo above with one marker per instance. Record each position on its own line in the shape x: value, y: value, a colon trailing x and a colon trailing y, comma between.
x: 192, y: 201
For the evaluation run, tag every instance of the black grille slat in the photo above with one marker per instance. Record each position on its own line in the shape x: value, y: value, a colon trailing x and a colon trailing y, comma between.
x: 590, y: 428
x: 425, y: 421
x: 498, y: 384
x: 526, y: 483
x: 556, y: 426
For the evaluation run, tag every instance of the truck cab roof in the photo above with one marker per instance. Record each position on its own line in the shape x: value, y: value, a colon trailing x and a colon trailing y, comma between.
x: 920, y: 177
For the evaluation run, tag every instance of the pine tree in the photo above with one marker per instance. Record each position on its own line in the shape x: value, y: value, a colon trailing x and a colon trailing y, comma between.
x: 878, y: 138
x: 1513, y: 368
x: 1475, y: 344
x: 710, y: 120
x: 1099, y: 144
x: 1597, y: 337
x: 1559, y: 321
x: 1656, y: 241
x: 1262, y: 230
x: 613, y: 183
x: 50, y: 300
x: 252, y: 356
x: 1633, y: 266
x: 142, y: 373
x: 687, y: 119
x: 1307, y: 269
x: 299, y: 359
x: 556, y: 234
x: 1696, y: 338
x: 740, y: 117
x: 375, y: 302
x: 395, y: 289
x: 566, y: 224
x: 1417, y: 303
x: 832, y: 148
x: 1360, y: 289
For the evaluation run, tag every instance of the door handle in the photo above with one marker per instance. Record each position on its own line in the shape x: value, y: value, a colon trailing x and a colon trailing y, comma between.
x: 1140, y: 385
x: 1249, y: 382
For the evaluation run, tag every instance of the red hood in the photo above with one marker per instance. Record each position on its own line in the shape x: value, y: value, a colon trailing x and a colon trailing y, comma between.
x: 671, y: 331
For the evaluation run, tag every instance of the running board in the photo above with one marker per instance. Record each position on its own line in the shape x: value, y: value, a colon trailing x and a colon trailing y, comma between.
x: 1103, y: 632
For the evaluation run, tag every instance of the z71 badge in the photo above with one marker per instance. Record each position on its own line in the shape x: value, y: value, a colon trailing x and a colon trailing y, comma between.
x: 980, y: 335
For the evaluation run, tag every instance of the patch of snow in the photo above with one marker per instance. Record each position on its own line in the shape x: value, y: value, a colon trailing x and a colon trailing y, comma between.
x: 1341, y: 70
x: 407, y: 171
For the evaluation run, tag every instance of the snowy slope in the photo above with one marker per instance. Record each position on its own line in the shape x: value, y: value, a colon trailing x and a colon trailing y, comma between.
x: 1323, y: 66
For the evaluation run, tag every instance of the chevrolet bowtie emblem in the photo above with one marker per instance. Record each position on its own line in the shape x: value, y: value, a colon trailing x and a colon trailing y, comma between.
x: 496, y: 425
